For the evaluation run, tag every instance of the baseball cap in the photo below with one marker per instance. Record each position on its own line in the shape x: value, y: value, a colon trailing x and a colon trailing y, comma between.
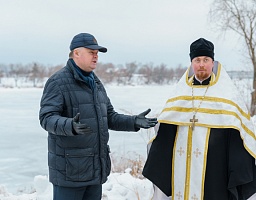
x: 86, y: 40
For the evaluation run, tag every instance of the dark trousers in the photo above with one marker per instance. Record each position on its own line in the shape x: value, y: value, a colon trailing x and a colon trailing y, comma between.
x: 92, y: 192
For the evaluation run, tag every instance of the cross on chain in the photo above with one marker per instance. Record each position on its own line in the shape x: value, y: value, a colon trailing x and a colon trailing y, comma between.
x: 193, y: 120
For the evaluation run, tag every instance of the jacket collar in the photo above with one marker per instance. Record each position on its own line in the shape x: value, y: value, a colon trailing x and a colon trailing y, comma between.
x: 71, y: 67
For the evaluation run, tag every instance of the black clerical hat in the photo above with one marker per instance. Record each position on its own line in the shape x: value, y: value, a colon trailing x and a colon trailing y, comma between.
x: 201, y: 47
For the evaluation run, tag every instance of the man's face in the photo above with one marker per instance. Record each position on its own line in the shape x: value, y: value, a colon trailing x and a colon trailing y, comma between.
x: 86, y: 59
x: 202, y: 66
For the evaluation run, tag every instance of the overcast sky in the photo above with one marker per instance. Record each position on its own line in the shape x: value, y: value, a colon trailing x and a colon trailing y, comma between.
x: 144, y: 31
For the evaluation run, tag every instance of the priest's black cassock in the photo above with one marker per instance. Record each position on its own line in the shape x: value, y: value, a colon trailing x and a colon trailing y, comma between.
x: 215, y: 160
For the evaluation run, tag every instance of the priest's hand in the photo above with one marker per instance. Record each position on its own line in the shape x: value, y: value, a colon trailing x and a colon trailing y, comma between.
x: 142, y: 122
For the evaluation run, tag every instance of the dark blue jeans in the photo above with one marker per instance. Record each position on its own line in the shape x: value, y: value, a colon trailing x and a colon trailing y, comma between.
x: 91, y: 192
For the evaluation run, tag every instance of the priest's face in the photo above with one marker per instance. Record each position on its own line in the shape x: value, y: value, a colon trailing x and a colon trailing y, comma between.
x: 202, y: 66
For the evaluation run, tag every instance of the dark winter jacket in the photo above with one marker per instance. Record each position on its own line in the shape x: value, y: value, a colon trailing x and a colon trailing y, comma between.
x: 78, y: 160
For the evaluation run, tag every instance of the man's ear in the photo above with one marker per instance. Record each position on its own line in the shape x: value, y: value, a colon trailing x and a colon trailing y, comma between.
x: 76, y: 52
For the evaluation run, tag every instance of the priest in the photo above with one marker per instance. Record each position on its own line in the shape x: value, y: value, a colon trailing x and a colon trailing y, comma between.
x: 205, y: 147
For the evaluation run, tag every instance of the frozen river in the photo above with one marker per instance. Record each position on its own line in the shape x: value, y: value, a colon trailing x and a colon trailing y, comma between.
x: 23, y: 143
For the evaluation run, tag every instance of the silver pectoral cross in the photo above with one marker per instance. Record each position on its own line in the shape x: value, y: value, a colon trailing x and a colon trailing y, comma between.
x: 193, y: 120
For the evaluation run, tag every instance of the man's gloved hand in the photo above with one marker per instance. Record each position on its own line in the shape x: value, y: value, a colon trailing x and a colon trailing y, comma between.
x: 142, y: 122
x: 80, y: 129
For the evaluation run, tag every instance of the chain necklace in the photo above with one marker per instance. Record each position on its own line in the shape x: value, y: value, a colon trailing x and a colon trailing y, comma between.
x: 195, y: 110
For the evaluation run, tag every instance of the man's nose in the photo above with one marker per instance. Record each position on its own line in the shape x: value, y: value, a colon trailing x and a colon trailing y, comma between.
x: 201, y: 63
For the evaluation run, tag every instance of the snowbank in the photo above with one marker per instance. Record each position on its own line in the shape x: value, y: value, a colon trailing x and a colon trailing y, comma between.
x: 120, y: 186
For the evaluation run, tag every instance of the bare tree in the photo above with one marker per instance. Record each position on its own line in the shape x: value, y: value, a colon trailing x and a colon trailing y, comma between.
x: 120, y: 75
x: 159, y: 74
x: 179, y: 71
x: 147, y: 71
x: 2, y: 72
x: 239, y: 16
x: 52, y: 70
x: 130, y: 69
x: 36, y: 73
x: 106, y: 72
x: 18, y: 72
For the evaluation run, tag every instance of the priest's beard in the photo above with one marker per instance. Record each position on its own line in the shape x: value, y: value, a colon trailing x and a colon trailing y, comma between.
x: 202, y: 75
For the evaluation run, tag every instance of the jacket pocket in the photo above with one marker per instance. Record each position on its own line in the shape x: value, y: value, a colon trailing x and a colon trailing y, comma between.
x: 79, y: 164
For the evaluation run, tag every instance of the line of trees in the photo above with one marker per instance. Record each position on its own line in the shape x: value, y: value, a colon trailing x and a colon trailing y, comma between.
x: 138, y: 73
x: 32, y: 73
x: 35, y: 74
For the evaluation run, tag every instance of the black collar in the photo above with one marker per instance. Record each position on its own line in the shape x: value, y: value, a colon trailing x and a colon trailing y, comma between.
x: 205, y: 82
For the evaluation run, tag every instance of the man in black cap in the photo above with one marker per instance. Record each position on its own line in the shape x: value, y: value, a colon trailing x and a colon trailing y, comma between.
x: 77, y: 113
x: 205, y: 147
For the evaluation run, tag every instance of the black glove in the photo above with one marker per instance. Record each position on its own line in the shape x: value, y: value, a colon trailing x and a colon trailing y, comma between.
x: 142, y: 122
x: 80, y: 129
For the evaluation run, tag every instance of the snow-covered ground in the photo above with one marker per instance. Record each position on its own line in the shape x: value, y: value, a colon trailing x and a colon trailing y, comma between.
x: 23, y: 143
